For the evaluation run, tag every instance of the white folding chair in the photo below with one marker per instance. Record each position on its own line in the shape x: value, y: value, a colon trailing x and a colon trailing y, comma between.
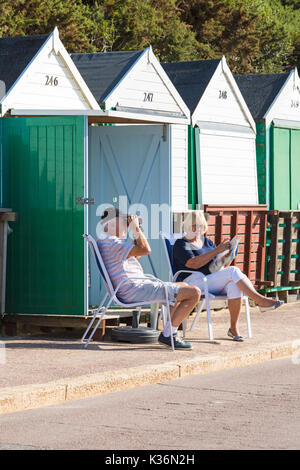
x: 169, y: 240
x: 111, y: 293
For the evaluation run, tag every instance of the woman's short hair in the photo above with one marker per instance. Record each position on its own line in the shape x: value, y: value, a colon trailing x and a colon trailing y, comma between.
x: 195, y: 218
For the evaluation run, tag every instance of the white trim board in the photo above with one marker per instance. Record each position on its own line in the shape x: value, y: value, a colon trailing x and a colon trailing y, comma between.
x: 108, y: 116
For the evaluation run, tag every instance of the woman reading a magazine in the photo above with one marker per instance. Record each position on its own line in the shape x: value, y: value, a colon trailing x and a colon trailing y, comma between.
x: 198, y: 253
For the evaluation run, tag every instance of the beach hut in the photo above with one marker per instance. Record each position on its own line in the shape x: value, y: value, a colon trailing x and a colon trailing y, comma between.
x: 274, y: 102
x: 222, y: 161
x: 42, y: 164
x: 57, y: 160
x: 141, y: 168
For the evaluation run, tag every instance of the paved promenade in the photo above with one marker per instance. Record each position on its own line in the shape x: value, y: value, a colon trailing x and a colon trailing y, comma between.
x: 37, y: 372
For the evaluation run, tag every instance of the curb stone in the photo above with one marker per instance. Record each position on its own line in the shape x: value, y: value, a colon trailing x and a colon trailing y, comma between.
x: 24, y: 397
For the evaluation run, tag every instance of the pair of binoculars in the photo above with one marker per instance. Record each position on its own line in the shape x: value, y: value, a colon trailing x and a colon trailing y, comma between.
x: 139, y: 219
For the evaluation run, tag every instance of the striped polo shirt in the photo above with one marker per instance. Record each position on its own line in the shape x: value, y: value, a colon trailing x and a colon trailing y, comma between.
x: 114, y: 252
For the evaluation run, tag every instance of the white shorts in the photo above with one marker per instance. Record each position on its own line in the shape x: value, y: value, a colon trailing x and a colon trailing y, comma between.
x: 222, y: 282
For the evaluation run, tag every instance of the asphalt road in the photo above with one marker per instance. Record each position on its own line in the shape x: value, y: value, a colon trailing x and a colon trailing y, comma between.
x: 254, y: 407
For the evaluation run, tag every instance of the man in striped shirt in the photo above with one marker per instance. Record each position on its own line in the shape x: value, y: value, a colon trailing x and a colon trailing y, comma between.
x: 121, y: 261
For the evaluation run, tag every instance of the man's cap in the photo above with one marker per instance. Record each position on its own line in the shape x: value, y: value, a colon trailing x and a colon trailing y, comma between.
x: 110, y: 213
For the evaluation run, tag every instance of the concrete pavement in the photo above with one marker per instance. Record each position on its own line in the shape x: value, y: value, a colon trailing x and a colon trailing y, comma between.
x: 255, y: 407
x: 38, y: 371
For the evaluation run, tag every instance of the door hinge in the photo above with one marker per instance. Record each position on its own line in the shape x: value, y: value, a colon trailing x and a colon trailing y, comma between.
x: 85, y: 200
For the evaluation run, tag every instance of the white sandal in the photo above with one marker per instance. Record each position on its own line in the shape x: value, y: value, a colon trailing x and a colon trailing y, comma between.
x: 235, y: 338
x: 272, y: 307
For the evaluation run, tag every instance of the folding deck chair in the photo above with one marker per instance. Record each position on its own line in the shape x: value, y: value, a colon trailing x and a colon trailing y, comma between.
x: 168, y: 240
x: 111, y: 293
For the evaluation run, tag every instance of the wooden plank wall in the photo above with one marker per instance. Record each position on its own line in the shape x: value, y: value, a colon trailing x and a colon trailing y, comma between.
x: 284, y: 249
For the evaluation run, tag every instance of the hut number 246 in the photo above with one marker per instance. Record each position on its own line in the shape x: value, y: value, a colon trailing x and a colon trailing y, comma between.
x: 50, y: 80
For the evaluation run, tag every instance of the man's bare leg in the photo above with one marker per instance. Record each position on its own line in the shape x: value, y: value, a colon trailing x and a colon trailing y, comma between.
x: 187, y: 299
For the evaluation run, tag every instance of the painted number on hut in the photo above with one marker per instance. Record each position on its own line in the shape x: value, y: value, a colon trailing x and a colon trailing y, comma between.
x: 222, y: 95
x: 50, y: 80
x: 294, y: 104
x: 148, y: 96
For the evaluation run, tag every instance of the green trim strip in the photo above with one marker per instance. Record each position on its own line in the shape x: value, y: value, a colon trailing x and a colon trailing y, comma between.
x: 198, y: 165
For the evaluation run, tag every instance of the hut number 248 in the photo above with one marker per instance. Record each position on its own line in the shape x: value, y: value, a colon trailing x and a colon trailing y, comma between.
x: 222, y: 95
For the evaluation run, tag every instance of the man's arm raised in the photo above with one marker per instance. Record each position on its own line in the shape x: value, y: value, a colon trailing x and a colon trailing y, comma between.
x: 141, y: 246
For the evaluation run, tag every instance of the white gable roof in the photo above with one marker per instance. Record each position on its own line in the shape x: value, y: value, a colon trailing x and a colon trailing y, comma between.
x: 50, y: 81
x: 286, y: 105
x: 222, y: 101
x: 147, y: 88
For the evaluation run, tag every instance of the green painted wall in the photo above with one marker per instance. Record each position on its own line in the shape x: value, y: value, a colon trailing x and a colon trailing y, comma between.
x: 295, y: 168
x: 194, y: 168
x: 198, y: 166
x: 192, y: 193
x: 43, y: 161
x: 263, y: 162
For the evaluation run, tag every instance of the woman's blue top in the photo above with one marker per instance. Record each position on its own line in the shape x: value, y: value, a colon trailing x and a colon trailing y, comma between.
x: 184, y: 250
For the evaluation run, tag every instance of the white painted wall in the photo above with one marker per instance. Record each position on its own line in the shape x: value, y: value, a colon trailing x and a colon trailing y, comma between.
x: 219, y: 103
x: 50, y: 81
x: 34, y: 93
x: 179, y: 168
x: 144, y: 88
x: 228, y: 169
x: 227, y: 157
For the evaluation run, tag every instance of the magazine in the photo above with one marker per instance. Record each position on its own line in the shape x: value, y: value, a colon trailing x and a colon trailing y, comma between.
x: 224, y: 258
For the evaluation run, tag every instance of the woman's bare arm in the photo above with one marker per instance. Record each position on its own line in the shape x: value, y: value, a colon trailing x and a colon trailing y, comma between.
x: 201, y: 260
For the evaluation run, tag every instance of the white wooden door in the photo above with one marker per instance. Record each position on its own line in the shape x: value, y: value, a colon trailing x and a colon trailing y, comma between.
x: 228, y: 168
x: 131, y: 164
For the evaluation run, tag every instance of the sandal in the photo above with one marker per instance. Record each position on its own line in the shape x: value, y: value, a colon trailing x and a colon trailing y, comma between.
x: 235, y: 338
x: 272, y: 307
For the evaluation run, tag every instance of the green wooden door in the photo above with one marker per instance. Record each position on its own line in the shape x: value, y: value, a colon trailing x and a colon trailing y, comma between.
x: 295, y: 169
x: 280, y: 169
x: 285, y: 169
x: 43, y: 168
